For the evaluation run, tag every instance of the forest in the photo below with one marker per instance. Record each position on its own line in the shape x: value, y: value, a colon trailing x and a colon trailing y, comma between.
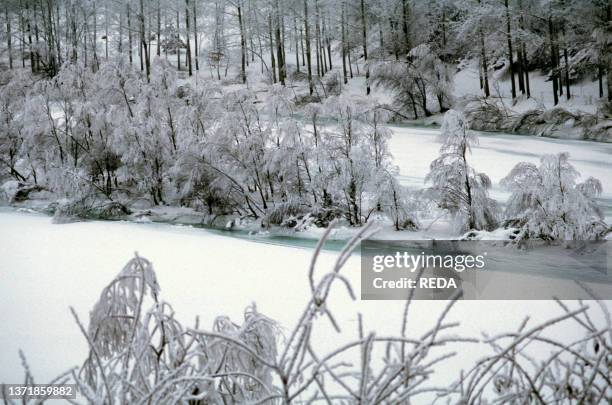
x: 263, y: 110
x: 247, y: 148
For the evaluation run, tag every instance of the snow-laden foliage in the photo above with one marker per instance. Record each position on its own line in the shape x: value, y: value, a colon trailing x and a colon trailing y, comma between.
x: 415, y: 81
x: 112, y: 135
x: 548, y: 203
x: 455, y: 185
x: 140, y: 353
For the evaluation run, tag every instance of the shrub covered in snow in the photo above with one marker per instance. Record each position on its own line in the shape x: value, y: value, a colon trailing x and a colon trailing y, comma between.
x: 548, y: 203
x: 140, y: 353
x: 456, y: 186
x: 88, y: 208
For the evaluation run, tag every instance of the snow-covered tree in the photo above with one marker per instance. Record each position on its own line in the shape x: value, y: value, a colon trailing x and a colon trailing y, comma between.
x: 415, y: 80
x: 455, y: 185
x: 548, y: 203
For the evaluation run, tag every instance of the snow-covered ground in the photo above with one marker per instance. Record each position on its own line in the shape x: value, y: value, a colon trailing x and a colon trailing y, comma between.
x: 584, y: 95
x: 45, y: 268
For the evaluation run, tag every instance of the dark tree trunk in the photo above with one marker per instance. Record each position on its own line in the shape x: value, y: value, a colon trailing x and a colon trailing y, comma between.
x: 484, y: 62
x: 297, y: 44
x: 405, y: 27
x: 308, y: 53
x: 158, y: 50
x: 279, y: 47
x: 510, y: 50
x: 195, y: 35
x: 608, y: 49
x: 554, y: 60
x: 343, y: 45
x: 524, y: 62
x: 9, y: 35
x: 178, y: 34
x: 364, y: 37
x: 272, y: 48
x: 145, y: 46
x: 129, y: 29
x: 187, y: 32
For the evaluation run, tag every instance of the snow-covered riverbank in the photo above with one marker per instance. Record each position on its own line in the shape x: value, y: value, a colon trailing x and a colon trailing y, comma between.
x: 44, y: 268
x: 413, y: 150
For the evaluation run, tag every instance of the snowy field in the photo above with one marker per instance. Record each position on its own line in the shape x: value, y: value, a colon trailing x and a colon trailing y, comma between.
x: 45, y: 268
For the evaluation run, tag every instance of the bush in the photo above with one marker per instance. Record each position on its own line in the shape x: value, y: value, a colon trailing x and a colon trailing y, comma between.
x: 283, y: 211
x: 548, y: 204
x: 140, y: 353
x: 89, y: 209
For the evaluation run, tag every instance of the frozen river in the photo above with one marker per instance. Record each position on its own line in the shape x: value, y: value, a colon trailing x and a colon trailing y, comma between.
x: 45, y: 268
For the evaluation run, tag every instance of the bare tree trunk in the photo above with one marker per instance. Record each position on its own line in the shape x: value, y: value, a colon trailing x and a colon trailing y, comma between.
x: 178, y: 34
x: 510, y: 50
x: 120, y: 43
x: 250, y: 31
x: 350, y: 63
x: 9, y: 35
x: 308, y: 54
x: 323, y: 36
x: 50, y: 36
x: 37, y: 38
x: 364, y: 34
x: 297, y: 44
x: 608, y: 48
x: 343, y: 35
x: 271, y: 39
x: 85, y: 37
x: 329, y: 56
x: 405, y: 29
x: 96, y: 64
x: 29, y: 31
x: 519, y: 68
x: 443, y: 25
x: 158, y: 36
x: 242, y: 45
x: 129, y: 29
x: 279, y: 46
x: 483, y: 61
x: 282, y: 25
x: 57, y: 36
x: 525, y: 64
x: 22, y: 34
x: 195, y: 36
x: 302, y: 46
x: 187, y: 32
x: 322, y: 43
x: 144, y: 42
x: 568, y: 95
x: 318, y: 40
x: 600, y: 74
x: 554, y: 60
x: 106, y: 31
x: 364, y: 37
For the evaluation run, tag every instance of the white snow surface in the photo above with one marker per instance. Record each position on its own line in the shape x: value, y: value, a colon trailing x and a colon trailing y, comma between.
x: 46, y: 268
